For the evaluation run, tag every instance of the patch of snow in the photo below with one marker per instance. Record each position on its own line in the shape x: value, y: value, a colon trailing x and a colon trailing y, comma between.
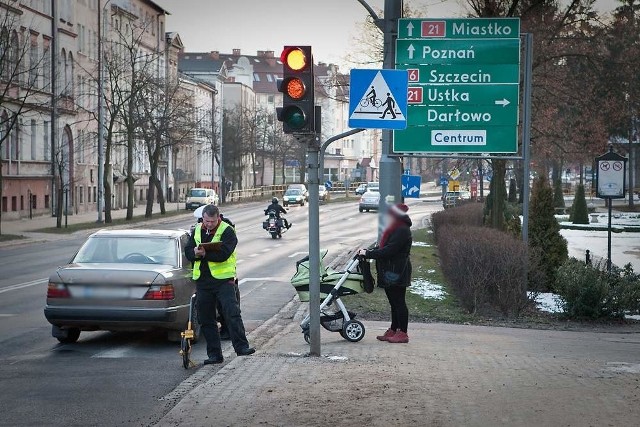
x: 421, y: 244
x: 427, y: 290
x: 632, y: 316
x: 624, y: 367
x: 430, y: 271
x: 548, y: 302
x: 338, y: 358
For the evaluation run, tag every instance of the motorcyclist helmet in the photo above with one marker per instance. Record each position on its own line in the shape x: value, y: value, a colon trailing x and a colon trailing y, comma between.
x: 275, y: 200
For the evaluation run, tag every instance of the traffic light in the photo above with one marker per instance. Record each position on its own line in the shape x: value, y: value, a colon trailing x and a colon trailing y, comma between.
x: 297, y: 113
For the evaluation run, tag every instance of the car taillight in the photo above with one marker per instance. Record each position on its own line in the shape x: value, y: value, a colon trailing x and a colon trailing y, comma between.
x: 57, y: 290
x: 162, y: 292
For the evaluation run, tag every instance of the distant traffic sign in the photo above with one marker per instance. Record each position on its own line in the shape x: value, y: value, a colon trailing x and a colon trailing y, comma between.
x: 378, y: 99
x: 610, y: 176
x: 464, y: 79
x: 411, y: 186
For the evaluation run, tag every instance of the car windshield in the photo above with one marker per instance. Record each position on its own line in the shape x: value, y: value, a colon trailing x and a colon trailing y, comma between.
x: 135, y: 250
x: 293, y: 193
x: 198, y: 193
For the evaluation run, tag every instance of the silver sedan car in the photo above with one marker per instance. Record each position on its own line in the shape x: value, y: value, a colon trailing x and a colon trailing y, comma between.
x: 370, y: 200
x: 122, y: 280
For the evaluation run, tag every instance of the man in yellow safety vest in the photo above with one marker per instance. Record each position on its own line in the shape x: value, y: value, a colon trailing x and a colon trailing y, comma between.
x: 212, y: 249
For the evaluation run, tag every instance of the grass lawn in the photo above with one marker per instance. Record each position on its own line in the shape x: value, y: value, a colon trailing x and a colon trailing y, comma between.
x: 425, y: 269
x: 7, y: 237
x: 116, y: 221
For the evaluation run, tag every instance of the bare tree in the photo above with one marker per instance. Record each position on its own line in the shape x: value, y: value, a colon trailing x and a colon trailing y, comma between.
x: 167, y: 119
x: 21, y: 67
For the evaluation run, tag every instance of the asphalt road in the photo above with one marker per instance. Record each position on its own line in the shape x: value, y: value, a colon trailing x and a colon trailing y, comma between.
x: 120, y: 378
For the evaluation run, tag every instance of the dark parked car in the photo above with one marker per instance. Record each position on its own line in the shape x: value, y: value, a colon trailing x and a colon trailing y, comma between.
x: 122, y: 280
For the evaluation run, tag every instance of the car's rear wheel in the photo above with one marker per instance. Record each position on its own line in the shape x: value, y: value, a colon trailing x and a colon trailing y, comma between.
x: 361, y: 210
x: 71, y: 336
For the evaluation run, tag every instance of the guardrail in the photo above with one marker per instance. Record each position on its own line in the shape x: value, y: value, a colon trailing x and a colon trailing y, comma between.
x: 257, y: 193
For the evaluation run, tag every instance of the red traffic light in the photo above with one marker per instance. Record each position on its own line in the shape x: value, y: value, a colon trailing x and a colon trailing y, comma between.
x: 294, y: 58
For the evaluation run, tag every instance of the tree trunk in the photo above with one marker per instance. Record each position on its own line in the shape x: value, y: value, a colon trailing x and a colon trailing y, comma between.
x: 107, y: 189
x: 130, y: 181
x: 1, y: 187
x: 150, y: 193
x: 163, y: 209
x: 521, y: 181
x: 499, y: 190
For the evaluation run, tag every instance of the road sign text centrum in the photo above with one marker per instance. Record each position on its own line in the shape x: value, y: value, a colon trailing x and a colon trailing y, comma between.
x: 490, y: 28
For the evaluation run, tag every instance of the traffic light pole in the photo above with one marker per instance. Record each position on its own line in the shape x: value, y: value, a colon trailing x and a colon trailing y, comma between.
x: 315, y: 169
x: 390, y: 167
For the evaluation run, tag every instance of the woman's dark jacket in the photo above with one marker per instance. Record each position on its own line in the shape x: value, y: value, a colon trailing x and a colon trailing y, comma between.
x: 394, y: 256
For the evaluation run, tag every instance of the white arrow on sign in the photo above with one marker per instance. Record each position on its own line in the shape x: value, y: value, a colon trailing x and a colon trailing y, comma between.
x: 504, y: 102
x: 413, y: 189
x: 411, y: 49
x: 404, y: 187
x: 410, y: 29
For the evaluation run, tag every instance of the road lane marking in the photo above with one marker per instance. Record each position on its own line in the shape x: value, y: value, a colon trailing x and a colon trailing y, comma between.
x: 114, y: 353
x: 22, y: 285
x: 295, y: 254
x: 6, y: 315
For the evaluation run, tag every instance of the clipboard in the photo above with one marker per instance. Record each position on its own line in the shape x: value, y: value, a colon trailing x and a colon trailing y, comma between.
x: 211, y: 246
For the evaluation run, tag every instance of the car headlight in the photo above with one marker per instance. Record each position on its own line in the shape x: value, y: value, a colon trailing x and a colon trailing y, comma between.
x: 299, y: 198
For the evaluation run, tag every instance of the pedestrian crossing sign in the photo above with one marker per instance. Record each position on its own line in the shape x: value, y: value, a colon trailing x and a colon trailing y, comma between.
x: 378, y: 99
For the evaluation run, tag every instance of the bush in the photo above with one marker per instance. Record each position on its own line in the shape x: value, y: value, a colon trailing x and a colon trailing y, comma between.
x: 544, y: 231
x: 590, y: 292
x: 468, y: 214
x: 579, y: 212
x: 485, y: 267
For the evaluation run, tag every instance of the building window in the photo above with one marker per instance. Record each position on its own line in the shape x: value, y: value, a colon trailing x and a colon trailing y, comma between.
x: 94, y: 195
x: 46, y: 67
x: 46, y: 201
x: 34, y: 202
x: 46, y: 141
x: 256, y: 77
x: 4, y: 203
x: 21, y: 203
x: 34, y: 129
x: 270, y: 99
x: 14, y: 203
x: 269, y: 78
x: 34, y: 65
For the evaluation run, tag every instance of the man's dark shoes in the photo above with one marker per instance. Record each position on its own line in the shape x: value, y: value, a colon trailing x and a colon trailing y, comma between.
x: 215, y: 360
x: 246, y: 352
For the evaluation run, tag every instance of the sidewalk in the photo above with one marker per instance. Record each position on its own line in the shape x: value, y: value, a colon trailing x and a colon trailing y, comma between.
x: 25, y: 225
x: 449, y: 375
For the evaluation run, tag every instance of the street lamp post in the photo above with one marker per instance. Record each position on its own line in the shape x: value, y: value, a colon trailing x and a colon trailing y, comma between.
x: 390, y: 168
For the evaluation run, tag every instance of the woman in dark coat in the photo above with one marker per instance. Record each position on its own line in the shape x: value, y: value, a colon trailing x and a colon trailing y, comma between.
x: 394, y: 270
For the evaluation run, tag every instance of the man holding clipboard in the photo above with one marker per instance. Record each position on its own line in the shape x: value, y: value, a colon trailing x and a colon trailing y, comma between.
x: 212, y: 249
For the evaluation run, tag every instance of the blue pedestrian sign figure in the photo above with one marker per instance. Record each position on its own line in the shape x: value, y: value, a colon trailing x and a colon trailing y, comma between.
x: 444, y: 181
x: 378, y: 99
x: 411, y: 186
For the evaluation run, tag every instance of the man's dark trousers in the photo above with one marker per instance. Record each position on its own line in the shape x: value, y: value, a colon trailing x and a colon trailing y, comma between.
x: 209, y: 293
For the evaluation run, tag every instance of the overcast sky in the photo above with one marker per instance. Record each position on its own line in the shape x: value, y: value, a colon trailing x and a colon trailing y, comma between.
x: 251, y: 25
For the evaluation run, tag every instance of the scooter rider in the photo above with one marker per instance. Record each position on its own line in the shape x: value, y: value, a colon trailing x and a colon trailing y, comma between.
x: 277, y: 209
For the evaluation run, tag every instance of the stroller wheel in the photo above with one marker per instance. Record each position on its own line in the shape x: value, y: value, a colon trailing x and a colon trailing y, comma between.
x: 353, y: 331
x: 307, y: 337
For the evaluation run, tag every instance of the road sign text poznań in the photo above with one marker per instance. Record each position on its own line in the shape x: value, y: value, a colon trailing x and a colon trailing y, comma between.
x: 464, y: 77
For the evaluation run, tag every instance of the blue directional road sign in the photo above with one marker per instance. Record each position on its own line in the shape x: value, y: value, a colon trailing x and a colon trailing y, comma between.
x: 444, y: 180
x: 411, y: 186
x: 328, y: 185
x: 378, y: 99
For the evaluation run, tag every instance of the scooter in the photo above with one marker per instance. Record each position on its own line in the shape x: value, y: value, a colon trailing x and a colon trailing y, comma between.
x: 274, y: 225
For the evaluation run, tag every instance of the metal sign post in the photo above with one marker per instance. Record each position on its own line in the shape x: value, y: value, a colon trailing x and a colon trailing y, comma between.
x: 610, y: 184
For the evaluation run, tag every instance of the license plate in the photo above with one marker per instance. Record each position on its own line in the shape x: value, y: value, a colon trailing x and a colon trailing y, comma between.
x: 104, y: 292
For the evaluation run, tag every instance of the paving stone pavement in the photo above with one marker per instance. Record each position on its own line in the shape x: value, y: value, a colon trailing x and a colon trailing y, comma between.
x: 449, y: 375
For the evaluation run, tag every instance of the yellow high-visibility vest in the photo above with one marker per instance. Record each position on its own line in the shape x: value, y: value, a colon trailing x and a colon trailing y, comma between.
x: 219, y: 270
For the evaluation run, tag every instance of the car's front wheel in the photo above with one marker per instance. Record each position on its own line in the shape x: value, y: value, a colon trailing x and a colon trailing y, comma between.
x: 70, y: 337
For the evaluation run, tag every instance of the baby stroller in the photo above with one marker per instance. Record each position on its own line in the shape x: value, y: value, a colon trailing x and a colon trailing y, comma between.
x: 333, y: 286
